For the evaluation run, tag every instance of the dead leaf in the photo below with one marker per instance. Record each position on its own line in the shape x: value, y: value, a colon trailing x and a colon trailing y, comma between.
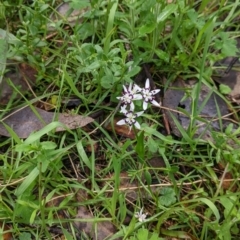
x: 93, y: 229
x: 173, y: 100
x: 228, y: 70
x: 127, y: 185
x: 68, y: 15
x: 21, y: 75
x: 24, y: 121
x: 226, y: 184
x: 226, y: 178
x: 121, y: 130
x: 7, y: 235
x: 231, y: 79
x: 53, y: 102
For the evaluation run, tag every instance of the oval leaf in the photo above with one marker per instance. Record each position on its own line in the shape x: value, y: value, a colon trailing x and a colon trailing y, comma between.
x: 167, y: 11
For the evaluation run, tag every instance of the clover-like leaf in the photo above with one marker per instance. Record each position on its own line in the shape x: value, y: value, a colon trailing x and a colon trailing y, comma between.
x: 167, y: 197
x: 224, y: 89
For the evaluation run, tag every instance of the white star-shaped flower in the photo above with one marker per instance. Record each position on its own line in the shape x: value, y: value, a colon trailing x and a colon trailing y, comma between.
x: 130, y: 94
x: 123, y: 109
x: 135, y: 89
x: 141, y: 216
x: 130, y: 119
x: 147, y: 95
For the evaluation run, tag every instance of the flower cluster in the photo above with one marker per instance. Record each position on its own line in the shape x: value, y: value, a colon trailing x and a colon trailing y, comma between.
x: 132, y: 93
x: 141, y: 216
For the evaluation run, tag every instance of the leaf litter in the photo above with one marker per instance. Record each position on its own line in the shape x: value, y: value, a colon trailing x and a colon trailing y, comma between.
x: 210, y: 119
x: 25, y: 121
x: 18, y: 75
x: 229, y: 75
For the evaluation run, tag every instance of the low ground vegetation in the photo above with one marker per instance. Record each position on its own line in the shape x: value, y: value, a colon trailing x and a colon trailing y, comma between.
x: 89, y: 147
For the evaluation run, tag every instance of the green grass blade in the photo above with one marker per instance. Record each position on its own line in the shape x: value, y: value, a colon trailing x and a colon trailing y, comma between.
x: 3, y: 52
x: 27, y: 182
x: 110, y: 22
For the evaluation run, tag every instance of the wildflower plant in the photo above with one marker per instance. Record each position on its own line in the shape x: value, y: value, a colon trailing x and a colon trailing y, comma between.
x: 131, y: 94
x: 141, y: 216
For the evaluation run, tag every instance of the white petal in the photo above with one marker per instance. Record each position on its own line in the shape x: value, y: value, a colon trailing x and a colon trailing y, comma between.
x: 136, y: 214
x: 147, y: 83
x: 125, y: 89
x: 136, y: 88
x: 142, y: 218
x: 145, y: 105
x: 130, y: 87
x: 139, y: 113
x: 137, y: 97
x: 137, y: 125
x: 153, y: 92
x: 132, y: 106
x: 155, y: 103
x: 123, y: 109
x: 129, y: 114
x: 121, y: 122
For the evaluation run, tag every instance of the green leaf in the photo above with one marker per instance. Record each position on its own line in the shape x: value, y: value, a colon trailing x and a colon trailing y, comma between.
x: 83, y: 155
x: 155, y: 237
x: 162, y: 55
x: 134, y: 71
x: 48, y: 145
x: 85, y: 30
x: 37, y: 135
x: 224, y: 89
x: 33, y: 216
x: 167, y: 197
x: 147, y: 28
x: 25, y: 236
x: 152, y: 145
x: 226, y: 44
x: 142, y: 44
x: 67, y: 235
x: 3, y: 52
x: 76, y: 4
x: 109, y: 32
x: 154, y: 132
x: 27, y: 182
x: 166, y: 12
x: 11, y: 39
x: 140, y: 148
x: 93, y: 66
x: 142, y: 233
x: 148, y: 177
x: 43, y: 162
x: 181, y: 129
x: 228, y: 205
x: 229, y: 129
x: 107, y: 81
x: 211, y: 207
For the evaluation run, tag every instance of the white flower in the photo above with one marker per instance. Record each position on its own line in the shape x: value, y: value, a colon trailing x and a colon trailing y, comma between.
x: 135, y: 89
x: 148, y: 95
x: 130, y: 119
x: 130, y: 94
x: 141, y: 216
x: 123, y: 109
